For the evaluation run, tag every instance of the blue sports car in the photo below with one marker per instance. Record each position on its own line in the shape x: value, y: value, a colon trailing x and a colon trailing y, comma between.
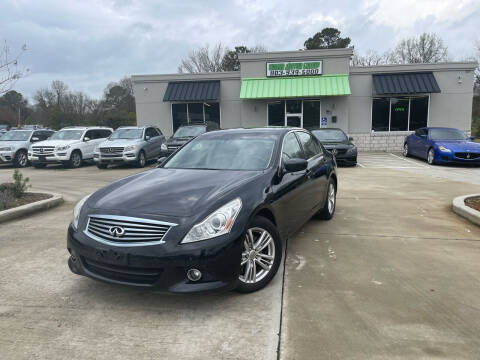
x: 442, y: 145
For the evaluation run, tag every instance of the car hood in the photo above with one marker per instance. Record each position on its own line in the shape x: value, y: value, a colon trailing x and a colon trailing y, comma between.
x: 119, y: 142
x: 169, y: 192
x: 55, y: 142
x: 13, y: 144
x: 460, y: 145
x: 179, y: 140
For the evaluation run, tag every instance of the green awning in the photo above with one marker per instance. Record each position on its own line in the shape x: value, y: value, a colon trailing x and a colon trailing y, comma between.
x: 294, y: 87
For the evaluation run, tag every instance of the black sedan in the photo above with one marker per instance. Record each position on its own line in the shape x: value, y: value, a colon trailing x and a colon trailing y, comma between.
x: 339, y: 144
x: 212, y: 217
x: 184, y: 134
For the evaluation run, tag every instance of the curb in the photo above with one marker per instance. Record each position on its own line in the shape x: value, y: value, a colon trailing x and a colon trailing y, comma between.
x: 459, y: 207
x: 28, y: 209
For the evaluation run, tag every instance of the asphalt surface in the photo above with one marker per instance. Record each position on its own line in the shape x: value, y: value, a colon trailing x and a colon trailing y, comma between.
x: 393, y: 275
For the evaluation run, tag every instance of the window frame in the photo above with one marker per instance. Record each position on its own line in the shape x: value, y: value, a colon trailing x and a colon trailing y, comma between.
x: 286, y: 115
x: 203, y: 112
x: 283, y: 144
x: 409, y: 97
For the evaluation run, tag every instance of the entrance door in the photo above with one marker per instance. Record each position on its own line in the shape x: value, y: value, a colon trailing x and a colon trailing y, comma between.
x: 293, y: 120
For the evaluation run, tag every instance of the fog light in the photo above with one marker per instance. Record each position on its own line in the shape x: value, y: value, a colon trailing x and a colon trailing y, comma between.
x: 194, y: 274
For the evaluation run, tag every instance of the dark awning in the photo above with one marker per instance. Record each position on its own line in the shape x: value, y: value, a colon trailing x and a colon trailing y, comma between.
x: 405, y: 83
x: 192, y: 91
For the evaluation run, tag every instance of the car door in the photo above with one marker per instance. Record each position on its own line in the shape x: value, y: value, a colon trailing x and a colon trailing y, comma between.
x: 150, y: 142
x: 88, y: 146
x: 423, y: 144
x: 290, y: 195
x: 157, y: 142
x: 413, y: 142
x: 317, y: 170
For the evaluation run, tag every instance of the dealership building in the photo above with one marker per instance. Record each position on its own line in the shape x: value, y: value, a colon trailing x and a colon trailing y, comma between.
x: 376, y: 105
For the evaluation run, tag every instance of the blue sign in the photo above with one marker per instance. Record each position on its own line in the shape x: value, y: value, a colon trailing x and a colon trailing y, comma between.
x: 323, y: 122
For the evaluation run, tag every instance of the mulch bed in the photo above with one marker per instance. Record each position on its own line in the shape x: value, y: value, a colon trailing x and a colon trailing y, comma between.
x: 473, y: 202
x: 29, y: 198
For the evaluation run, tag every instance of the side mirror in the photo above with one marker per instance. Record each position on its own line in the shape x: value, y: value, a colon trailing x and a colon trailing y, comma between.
x: 86, y: 139
x: 34, y: 139
x: 294, y: 165
x: 350, y: 138
x: 147, y: 137
x: 161, y: 160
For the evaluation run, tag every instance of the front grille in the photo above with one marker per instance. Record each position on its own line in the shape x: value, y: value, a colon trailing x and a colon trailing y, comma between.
x: 43, y: 150
x: 127, y: 230
x: 467, y: 155
x: 133, y: 275
x: 111, y: 150
x: 341, y: 151
x: 104, y: 156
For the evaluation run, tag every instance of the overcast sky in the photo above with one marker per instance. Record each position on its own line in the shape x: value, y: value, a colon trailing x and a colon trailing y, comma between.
x: 88, y: 43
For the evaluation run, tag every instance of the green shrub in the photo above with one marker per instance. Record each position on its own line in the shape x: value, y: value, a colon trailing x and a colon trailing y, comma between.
x: 20, y: 184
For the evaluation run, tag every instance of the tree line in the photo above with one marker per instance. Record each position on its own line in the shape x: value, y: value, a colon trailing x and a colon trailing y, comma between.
x: 57, y: 106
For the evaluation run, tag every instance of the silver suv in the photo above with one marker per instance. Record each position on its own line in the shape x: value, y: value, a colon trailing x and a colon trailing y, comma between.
x: 130, y: 144
x: 15, y: 143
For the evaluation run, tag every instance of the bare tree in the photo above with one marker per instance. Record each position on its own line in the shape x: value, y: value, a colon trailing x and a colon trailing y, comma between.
x: 203, y: 60
x: 371, y: 58
x: 10, y: 71
x: 477, y: 70
x: 427, y: 48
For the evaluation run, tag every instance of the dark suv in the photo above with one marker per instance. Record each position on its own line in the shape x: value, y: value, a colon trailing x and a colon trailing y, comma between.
x: 184, y: 134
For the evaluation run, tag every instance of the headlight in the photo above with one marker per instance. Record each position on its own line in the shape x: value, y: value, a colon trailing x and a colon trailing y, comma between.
x: 353, y: 149
x: 444, y: 149
x: 62, y: 148
x: 164, y: 147
x: 6, y: 149
x: 76, y: 211
x: 217, y: 223
x: 130, y: 148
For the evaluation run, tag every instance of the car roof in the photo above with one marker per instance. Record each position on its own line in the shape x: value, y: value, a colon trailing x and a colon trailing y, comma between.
x: 85, y: 127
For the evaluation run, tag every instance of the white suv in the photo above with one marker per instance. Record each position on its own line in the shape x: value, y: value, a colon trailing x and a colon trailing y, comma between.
x: 69, y: 146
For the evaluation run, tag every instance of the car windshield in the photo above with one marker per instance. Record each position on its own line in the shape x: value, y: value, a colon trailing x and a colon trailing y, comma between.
x: 329, y: 135
x: 17, y: 135
x: 447, y: 134
x: 189, y: 131
x: 127, y: 134
x: 240, y: 153
x: 67, y: 135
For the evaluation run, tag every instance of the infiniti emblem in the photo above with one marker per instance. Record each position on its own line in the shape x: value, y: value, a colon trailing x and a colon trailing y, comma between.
x: 117, y: 231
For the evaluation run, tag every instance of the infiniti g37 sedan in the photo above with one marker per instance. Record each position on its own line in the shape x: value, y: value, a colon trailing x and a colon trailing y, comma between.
x: 213, y: 216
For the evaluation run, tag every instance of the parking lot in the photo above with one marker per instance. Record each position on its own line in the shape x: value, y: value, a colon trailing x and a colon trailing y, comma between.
x: 393, y: 275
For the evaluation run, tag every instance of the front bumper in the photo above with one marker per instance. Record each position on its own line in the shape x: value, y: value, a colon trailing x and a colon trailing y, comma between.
x: 442, y: 157
x: 49, y: 159
x: 6, y: 156
x: 346, y: 159
x: 114, y: 158
x: 160, y: 267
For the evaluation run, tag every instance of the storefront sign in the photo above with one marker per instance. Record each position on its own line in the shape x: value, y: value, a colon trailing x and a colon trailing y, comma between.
x: 303, y: 68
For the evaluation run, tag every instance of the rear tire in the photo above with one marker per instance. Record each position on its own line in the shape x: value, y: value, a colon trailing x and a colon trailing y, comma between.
x: 75, y: 160
x: 261, y: 255
x: 406, y: 150
x: 102, y: 166
x: 328, y: 210
x: 141, y: 159
x: 20, y: 160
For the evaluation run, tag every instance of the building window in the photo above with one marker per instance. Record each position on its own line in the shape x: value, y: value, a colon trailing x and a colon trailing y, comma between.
x: 276, y: 113
x: 298, y: 113
x: 399, y: 114
x: 194, y: 113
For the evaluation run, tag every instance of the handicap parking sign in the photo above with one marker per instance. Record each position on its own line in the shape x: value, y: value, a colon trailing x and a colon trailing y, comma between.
x: 323, y: 122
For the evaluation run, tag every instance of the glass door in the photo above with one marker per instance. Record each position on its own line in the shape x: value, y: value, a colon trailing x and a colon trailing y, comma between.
x: 294, y: 113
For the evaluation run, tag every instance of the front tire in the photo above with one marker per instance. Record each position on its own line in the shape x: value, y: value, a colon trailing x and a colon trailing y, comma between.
x: 20, y: 160
x: 261, y: 255
x: 431, y: 156
x: 75, y: 160
x: 406, y: 150
x: 141, y: 160
x: 328, y: 210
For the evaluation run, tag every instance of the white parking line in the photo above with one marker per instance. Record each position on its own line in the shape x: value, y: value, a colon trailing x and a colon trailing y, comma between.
x: 408, y: 160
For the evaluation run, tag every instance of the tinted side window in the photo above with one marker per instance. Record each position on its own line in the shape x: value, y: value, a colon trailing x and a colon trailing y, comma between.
x: 291, y: 147
x: 310, y: 146
x: 90, y: 134
x: 104, y: 133
x: 151, y: 132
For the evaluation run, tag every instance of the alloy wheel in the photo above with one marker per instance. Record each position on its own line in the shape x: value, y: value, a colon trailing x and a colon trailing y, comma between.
x: 142, y: 159
x: 22, y: 159
x: 331, y: 198
x: 258, y: 255
x: 76, y: 160
x: 405, y: 150
x: 431, y: 156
